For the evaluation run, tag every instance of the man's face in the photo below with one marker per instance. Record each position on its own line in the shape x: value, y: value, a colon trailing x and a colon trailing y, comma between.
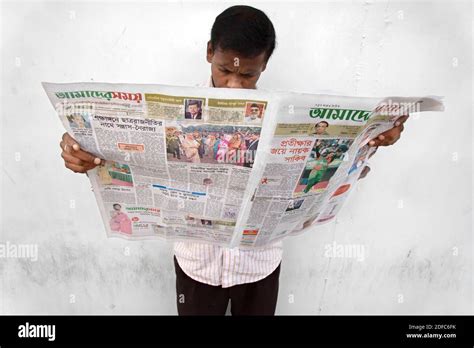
x: 231, y: 70
x: 321, y: 128
x: 193, y: 109
x: 254, y: 112
x: 79, y: 121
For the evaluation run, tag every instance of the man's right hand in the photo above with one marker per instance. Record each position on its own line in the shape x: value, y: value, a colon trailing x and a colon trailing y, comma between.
x: 77, y: 160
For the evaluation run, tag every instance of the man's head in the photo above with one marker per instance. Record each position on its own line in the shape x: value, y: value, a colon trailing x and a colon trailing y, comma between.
x: 254, y: 136
x: 254, y: 111
x: 320, y: 127
x: 242, y: 41
x: 79, y: 120
x: 193, y: 107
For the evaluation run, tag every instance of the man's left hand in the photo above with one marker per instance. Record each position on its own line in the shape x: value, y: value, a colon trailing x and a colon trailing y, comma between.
x: 390, y: 136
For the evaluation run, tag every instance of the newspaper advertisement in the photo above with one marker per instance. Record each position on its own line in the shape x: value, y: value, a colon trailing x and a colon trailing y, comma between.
x: 231, y: 167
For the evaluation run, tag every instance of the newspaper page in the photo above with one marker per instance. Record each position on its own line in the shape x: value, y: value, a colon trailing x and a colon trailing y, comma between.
x: 318, y: 149
x: 230, y: 167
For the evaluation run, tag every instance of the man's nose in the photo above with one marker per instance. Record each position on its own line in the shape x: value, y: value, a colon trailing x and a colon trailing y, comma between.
x: 234, y: 82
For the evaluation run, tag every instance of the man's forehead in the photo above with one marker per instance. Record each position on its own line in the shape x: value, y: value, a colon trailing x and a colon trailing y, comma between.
x: 232, y: 60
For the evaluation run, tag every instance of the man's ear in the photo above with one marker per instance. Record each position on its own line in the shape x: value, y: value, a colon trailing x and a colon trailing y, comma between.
x: 264, y: 66
x: 209, y: 52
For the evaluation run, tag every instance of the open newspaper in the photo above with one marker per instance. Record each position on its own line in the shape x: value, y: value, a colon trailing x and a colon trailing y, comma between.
x: 230, y: 167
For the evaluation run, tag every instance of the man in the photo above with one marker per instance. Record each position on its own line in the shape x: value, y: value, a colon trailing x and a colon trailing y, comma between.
x: 254, y: 114
x: 174, y: 145
x: 191, y: 148
x: 341, y: 152
x: 200, y: 140
x: 194, y: 110
x: 207, y: 276
x: 320, y: 128
x: 318, y: 169
x: 251, y: 151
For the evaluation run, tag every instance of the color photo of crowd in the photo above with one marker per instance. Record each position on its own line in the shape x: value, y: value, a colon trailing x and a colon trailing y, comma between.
x: 212, y: 144
x: 325, y: 158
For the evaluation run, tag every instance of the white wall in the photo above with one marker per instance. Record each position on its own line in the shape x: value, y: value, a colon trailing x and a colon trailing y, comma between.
x: 421, y: 251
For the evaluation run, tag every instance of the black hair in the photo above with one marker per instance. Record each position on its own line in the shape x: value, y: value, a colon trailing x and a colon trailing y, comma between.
x: 193, y: 102
x: 327, y: 124
x: 244, y: 29
x: 116, y: 205
x: 254, y: 105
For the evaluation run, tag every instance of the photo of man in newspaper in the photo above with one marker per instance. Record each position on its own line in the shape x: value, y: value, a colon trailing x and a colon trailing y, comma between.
x: 254, y: 112
x: 193, y: 109
x: 321, y: 165
x: 320, y: 128
x: 213, y: 144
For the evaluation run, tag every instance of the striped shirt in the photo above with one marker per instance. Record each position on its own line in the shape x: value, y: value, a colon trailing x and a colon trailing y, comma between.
x: 215, y: 265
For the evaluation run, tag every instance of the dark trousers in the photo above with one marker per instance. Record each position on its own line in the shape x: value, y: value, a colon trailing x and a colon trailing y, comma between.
x: 196, y: 298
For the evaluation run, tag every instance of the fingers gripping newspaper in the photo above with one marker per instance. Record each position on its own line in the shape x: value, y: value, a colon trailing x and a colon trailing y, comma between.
x: 230, y: 167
